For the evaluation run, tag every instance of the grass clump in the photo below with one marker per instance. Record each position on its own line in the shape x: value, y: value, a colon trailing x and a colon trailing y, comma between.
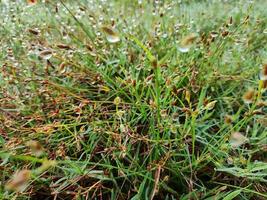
x: 133, y: 100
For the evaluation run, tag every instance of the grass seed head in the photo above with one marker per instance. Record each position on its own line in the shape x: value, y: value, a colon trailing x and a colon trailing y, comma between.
x: 210, y: 105
x: 46, y: 54
x: 19, y: 181
x: 63, y: 46
x: 264, y: 84
x: 34, y: 31
x: 249, y: 96
x: 230, y: 21
x: 117, y: 101
x: 164, y: 114
x: 36, y: 147
x: 237, y: 139
x: 187, y: 42
x: 225, y: 33
x: 32, y: 2
x: 228, y: 119
x: 188, y: 96
x: 263, y: 73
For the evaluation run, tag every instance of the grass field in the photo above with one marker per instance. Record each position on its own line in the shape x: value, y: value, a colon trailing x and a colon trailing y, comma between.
x: 127, y: 99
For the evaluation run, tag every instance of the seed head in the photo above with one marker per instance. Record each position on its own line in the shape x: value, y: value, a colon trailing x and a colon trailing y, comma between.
x: 46, y: 54
x: 19, y: 180
x: 32, y: 2
x: 117, y: 101
x: 228, y: 119
x: 248, y: 97
x: 187, y: 42
x: 210, y: 105
x: 34, y: 31
x: 63, y: 46
x: 263, y: 73
x: 237, y: 139
x: 35, y: 147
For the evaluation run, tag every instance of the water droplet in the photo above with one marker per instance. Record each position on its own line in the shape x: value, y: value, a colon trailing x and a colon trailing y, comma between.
x: 214, y: 34
x: 111, y: 35
x: 184, y: 49
x: 78, y: 16
x: 165, y: 35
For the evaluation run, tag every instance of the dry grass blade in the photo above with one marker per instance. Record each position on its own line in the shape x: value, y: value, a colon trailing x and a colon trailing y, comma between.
x: 156, y: 178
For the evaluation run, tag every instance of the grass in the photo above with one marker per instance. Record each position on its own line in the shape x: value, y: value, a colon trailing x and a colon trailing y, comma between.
x: 157, y: 115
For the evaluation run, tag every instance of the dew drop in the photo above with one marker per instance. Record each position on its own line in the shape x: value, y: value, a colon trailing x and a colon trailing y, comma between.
x: 214, y: 34
x: 184, y: 49
x: 111, y: 35
x: 165, y: 35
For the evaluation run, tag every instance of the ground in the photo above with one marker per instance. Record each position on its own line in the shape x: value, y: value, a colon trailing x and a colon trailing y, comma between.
x: 105, y: 99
